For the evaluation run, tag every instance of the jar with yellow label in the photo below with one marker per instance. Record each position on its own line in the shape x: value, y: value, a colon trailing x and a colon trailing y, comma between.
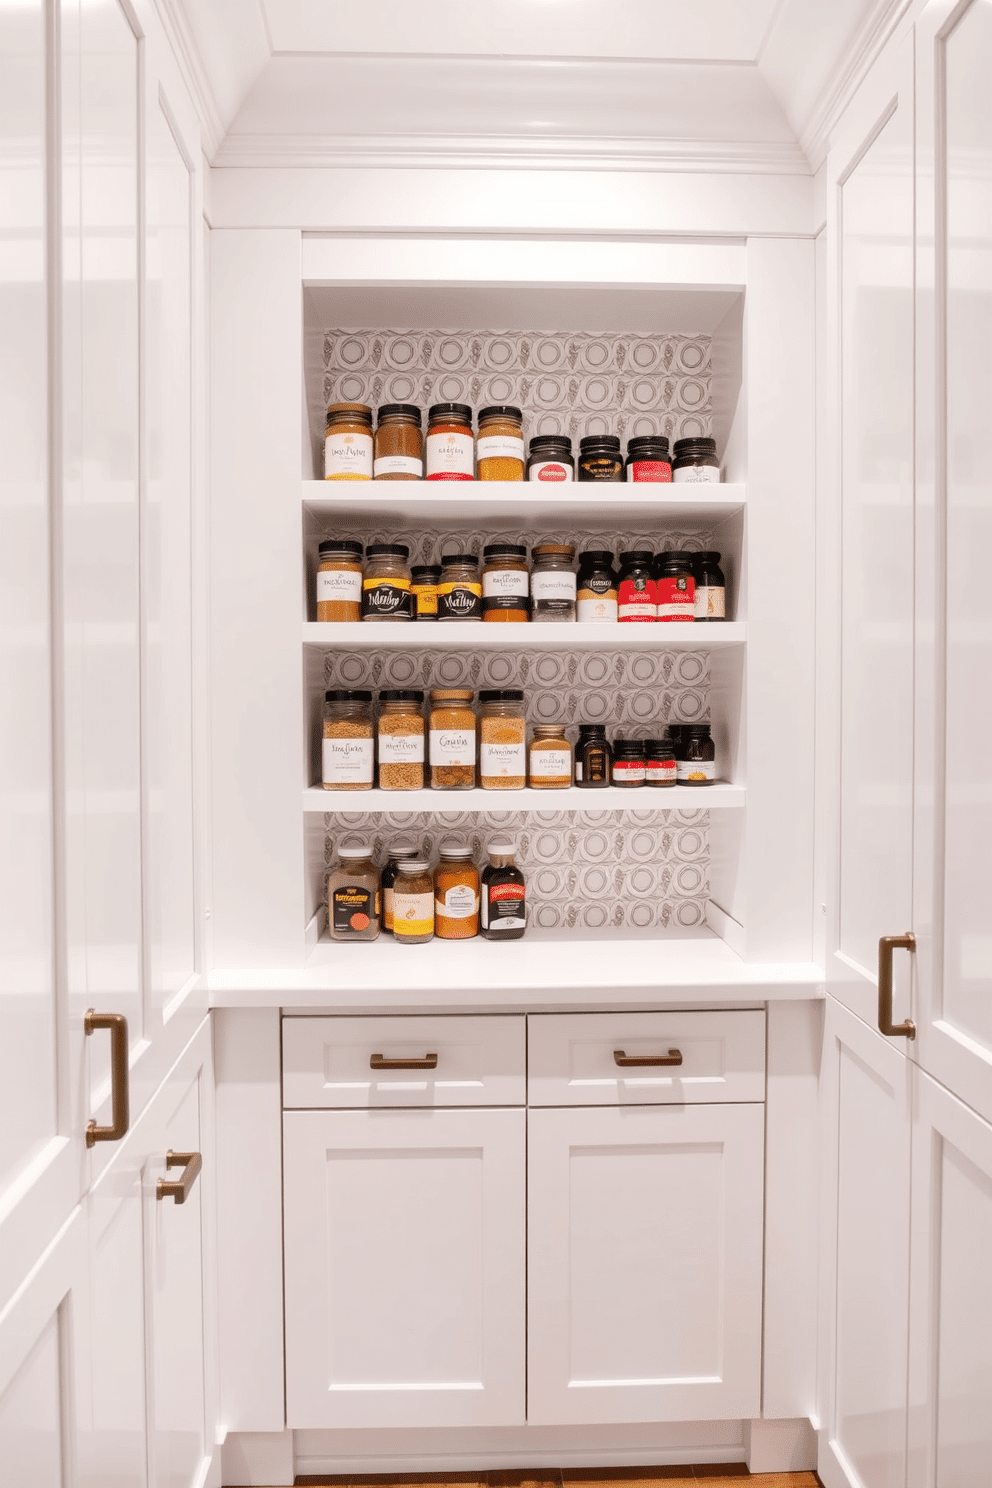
x: 459, y: 594
x: 386, y: 587
x: 499, y: 449
x: 413, y: 903
x: 425, y: 577
x: 348, y: 442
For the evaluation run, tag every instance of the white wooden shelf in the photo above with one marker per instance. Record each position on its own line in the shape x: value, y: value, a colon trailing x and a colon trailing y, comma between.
x: 469, y: 635
x: 575, y: 798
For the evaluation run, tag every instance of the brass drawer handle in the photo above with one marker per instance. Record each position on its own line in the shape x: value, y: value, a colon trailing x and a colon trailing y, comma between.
x: 886, y: 945
x: 674, y: 1056
x: 377, y: 1062
x: 191, y: 1163
x: 120, y: 1104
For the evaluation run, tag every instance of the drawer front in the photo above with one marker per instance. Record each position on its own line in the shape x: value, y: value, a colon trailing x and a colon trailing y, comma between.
x: 573, y: 1058
x: 327, y: 1062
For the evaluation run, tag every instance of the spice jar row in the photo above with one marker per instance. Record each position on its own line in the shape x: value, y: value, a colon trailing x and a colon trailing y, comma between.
x: 668, y: 586
x: 414, y: 903
x: 686, y: 756
x: 451, y: 450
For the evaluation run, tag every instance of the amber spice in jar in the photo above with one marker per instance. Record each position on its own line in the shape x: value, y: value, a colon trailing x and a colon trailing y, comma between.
x: 503, y: 735
x: 452, y: 739
x: 348, y: 442
x: 500, y: 446
x: 401, y: 740
x: 549, y: 764
x: 399, y: 444
x: 339, y: 580
x: 456, y: 893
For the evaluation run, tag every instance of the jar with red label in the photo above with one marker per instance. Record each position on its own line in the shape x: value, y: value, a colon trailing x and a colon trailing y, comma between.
x: 450, y: 444
x: 503, y: 906
x: 649, y: 459
x: 636, y: 593
x: 550, y: 458
x: 628, y: 762
x: 659, y: 762
x: 676, y: 586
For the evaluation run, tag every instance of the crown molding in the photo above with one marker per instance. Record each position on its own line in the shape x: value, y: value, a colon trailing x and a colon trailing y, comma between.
x: 865, y: 48
x: 180, y: 38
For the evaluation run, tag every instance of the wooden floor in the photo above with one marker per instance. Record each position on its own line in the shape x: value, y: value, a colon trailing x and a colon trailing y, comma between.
x: 714, y: 1475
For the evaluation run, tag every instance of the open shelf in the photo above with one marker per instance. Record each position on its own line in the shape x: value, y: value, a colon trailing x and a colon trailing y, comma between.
x: 575, y: 798
x: 462, y: 635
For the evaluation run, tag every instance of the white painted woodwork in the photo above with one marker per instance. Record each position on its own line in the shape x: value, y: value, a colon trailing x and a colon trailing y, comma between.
x: 570, y: 1058
x: 721, y: 794
x: 480, y: 1062
x: 462, y: 635
x: 644, y: 1263
x: 499, y: 506
x: 404, y: 1268
x: 31, y: 1428
x: 864, y: 1254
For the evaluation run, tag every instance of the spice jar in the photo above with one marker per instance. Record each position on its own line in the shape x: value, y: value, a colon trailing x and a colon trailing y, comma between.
x: 503, y: 907
x: 659, y: 763
x: 346, y: 745
x: 549, y: 761
x: 452, y: 739
x: 695, y: 460
x: 401, y: 740
x: 348, y: 442
x: 552, y: 583
x: 339, y: 580
x: 695, y: 755
x: 710, y: 600
x: 456, y: 893
x: 353, y: 899
x: 450, y: 447
x: 399, y: 443
x: 459, y: 593
x: 397, y: 855
x: 386, y: 586
x: 550, y: 458
x: 628, y: 762
x: 593, y: 757
x: 499, y: 450
x: 636, y: 592
x: 600, y: 458
x: 503, y: 732
x: 648, y: 459
x: 675, y: 586
x: 596, y: 597
x: 413, y: 903
x: 505, y: 582
x: 424, y: 579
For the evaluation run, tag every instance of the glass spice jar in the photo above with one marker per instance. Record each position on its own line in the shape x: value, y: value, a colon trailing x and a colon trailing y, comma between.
x: 711, y: 589
x: 424, y: 579
x: 456, y: 892
x: 401, y: 739
x: 636, y: 591
x: 552, y: 582
x: 386, y: 586
x: 459, y: 592
x: 450, y: 446
x: 649, y: 459
x: 452, y: 738
x: 593, y: 757
x: 600, y: 458
x: 505, y: 582
x: 659, y: 762
x: 695, y: 755
x: 413, y: 903
x: 596, y: 593
x: 503, y: 895
x: 399, y: 443
x: 503, y: 740
x: 339, y: 580
x: 396, y: 856
x: 628, y: 762
x: 550, y: 458
x: 675, y: 586
x: 347, y: 744
x: 549, y: 760
x: 348, y: 442
x: 695, y: 460
x: 353, y: 895
x: 499, y: 449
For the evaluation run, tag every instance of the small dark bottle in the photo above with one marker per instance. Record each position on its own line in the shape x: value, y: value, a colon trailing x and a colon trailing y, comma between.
x: 648, y: 458
x: 628, y: 762
x: 502, y: 895
x: 600, y: 458
x: 637, y: 591
x: 593, y: 757
x: 711, y: 589
x: 695, y: 755
x: 675, y: 585
x: 695, y: 460
x: 659, y: 763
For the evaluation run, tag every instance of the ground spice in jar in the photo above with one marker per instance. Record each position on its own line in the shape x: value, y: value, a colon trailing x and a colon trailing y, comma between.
x: 348, y: 442
x: 413, y: 903
x: 339, y: 580
x: 399, y: 443
x: 401, y: 740
x: 596, y: 595
x: 459, y: 592
x: 452, y: 739
x: 346, y: 745
x: 353, y: 899
x: 503, y: 750
x: 505, y: 582
x: 456, y: 893
x: 450, y: 447
x: 549, y: 764
x: 425, y: 578
x: 499, y: 448
x: 389, y: 875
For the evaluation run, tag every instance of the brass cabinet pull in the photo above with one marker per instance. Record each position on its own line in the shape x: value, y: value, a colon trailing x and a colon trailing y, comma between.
x: 191, y: 1163
x: 886, y: 945
x: 120, y: 1101
x: 674, y: 1056
x: 377, y: 1062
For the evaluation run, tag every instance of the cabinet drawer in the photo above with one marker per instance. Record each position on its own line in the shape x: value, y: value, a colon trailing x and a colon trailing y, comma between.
x: 328, y: 1062
x: 573, y: 1058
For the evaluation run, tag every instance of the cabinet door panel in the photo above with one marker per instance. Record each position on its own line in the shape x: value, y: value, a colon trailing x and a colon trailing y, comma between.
x: 404, y: 1268
x: 644, y: 1263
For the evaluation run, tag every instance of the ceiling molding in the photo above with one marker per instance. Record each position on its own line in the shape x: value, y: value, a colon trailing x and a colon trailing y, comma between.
x: 848, y: 76
x: 196, y: 77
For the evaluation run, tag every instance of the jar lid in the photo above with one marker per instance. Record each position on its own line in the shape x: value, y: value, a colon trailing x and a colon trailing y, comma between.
x: 631, y: 747
x: 433, y: 570
x: 660, y: 747
x: 501, y: 848
x: 501, y: 695
x: 355, y: 847
x: 548, y: 730
x: 675, y: 729
x: 412, y: 865
x: 636, y: 555
x: 551, y: 442
x: 456, y: 560
x: 675, y: 562
x: 340, y: 545
x: 387, y: 550
x: 592, y: 728
x: 500, y: 410
x: 698, y: 445
x: 394, y: 854
x: 453, y: 847
x: 345, y: 695
x: 709, y: 556
x: 697, y: 730
x: 400, y: 695
x: 594, y: 441
x: 553, y: 550
x: 504, y: 550
x: 350, y: 410
x: 596, y: 556
x: 460, y: 410
x: 646, y: 441
x: 400, y: 410
x: 451, y: 695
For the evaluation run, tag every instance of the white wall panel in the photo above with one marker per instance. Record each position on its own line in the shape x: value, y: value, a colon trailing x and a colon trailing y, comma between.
x: 30, y: 1416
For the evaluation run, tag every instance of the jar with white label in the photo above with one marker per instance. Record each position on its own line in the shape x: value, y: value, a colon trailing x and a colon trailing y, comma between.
x: 710, y: 602
x: 550, y: 458
x: 353, y: 894
x: 347, y: 744
x: 452, y: 738
x: 450, y: 446
x: 499, y: 449
x: 549, y: 760
x: 399, y: 443
x: 695, y: 755
x: 339, y: 580
x: 413, y: 903
x: 401, y: 739
x: 456, y: 892
x: 505, y: 582
x: 348, y: 442
x: 552, y: 582
x: 695, y: 460
x: 503, y: 736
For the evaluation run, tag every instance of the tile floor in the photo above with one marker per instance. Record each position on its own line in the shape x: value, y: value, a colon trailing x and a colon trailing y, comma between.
x: 714, y: 1475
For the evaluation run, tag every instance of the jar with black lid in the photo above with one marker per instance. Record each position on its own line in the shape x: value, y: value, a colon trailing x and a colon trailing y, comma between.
x: 710, y: 600
x: 459, y: 594
x: 505, y: 582
x: 503, y: 895
x: 628, y: 762
x: 399, y: 443
x: 552, y: 582
x: 339, y: 580
x: 348, y: 442
x: 450, y: 444
x: 695, y: 460
x: 659, y: 763
x: 636, y: 592
x: 649, y: 459
x: 600, y: 458
x: 675, y: 586
x: 593, y: 757
x: 596, y: 597
x: 386, y: 586
x: 425, y: 578
x: 550, y: 458
x: 695, y: 755
x: 499, y: 447
x: 396, y: 856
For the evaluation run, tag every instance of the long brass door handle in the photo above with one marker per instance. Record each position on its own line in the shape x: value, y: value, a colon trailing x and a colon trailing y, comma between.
x: 191, y: 1163
x: 377, y: 1062
x: 120, y: 1100
x: 886, y: 945
x: 674, y: 1056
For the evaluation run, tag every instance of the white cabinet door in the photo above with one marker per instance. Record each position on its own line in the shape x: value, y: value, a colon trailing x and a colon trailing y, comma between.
x: 404, y: 1268
x: 864, y: 1255
x: 644, y: 1263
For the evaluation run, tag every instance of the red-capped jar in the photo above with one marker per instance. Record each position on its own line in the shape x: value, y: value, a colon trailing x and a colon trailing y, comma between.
x: 659, y: 762
x: 649, y: 459
x: 676, y: 586
x: 450, y: 444
x: 636, y: 592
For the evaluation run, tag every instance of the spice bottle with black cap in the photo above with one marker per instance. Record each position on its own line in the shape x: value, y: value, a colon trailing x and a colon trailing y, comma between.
x: 596, y: 598
x: 386, y: 586
x: 637, y: 597
x: 450, y: 445
x: 399, y: 443
x: 600, y: 458
x: 348, y: 442
x: 459, y: 593
x: 550, y: 458
x: 695, y: 460
x: 499, y: 449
